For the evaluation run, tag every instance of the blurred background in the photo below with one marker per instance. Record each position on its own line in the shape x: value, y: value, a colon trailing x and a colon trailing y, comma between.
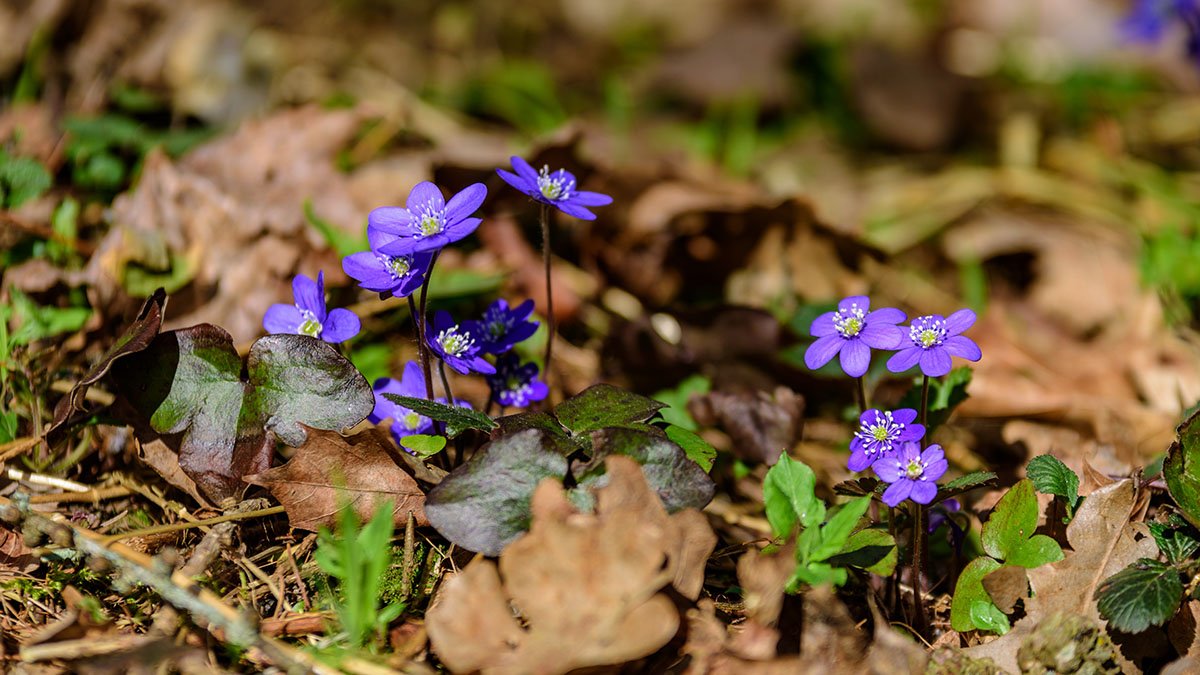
x: 1036, y: 160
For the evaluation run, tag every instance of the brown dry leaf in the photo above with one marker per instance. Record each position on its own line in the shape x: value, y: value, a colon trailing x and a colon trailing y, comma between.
x: 15, y: 556
x: 329, y: 469
x: 587, y: 587
x: 159, y: 455
x: 706, y: 645
x: 1006, y: 586
x: 1103, y: 541
x: 762, y: 426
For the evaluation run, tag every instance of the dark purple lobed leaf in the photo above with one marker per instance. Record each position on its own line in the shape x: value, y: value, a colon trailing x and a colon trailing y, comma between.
x: 603, y: 405
x: 678, y: 480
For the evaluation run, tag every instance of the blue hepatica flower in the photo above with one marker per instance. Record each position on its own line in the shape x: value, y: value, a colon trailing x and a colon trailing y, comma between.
x: 405, y: 422
x: 514, y: 384
x: 374, y: 270
x: 556, y: 188
x: 912, y: 473
x: 853, y: 331
x: 428, y: 222
x: 879, y: 433
x: 501, y: 327
x: 932, y: 340
x: 457, y: 345
x: 1149, y: 20
x: 308, y: 316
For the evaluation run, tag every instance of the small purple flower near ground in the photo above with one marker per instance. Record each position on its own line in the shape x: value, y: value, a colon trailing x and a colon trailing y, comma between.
x: 853, y: 331
x: 516, y: 385
x: 308, y: 316
x: 374, y: 270
x: 501, y: 327
x: 939, y: 515
x: 428, y: 222
x: 1148, y: 20
x: 912, y: 473
x: 932, y: 340
x: 879, y: 432
x: 457, y: 345
x: 405, y: 422
x: 555, y: 188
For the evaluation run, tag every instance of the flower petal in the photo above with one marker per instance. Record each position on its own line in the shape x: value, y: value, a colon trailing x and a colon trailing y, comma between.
x: 340, y: 325
x: 858, y: 460
x: 888, y: 469
x: 922, y: 492
x: 466, y: 202
x: 575, y: 210
x: 518, y: 182
x: 823, y: 325
x: 886, y: 315
x: 904, y: 415
x: 425, y: 194
x: 584, y: 198
x: 898, y: 492
x: 935, y: 362
x: 904, y: 359
x: 962, y: 346
x: 378, y: 237
x: 309, y: 295
x: 524, y: 169
x: 412, y: 382
x: 401, y: 246
x: 856, y: 358
x: 282, y: 318
x: 823, y: 350
x: 912, y: 432
x: 862, y: 301
x: 881, y: 335
x: 393, y: 219
x: 366, y: 268
x: 935, y: 470
x: 960, y: 321
x: 461, y: 230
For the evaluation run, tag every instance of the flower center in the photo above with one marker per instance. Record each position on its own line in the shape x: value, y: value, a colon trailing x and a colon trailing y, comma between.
x: 879, y: 435
x: 850, y: 322
x: 431, y: 220
x: 310, y: 326
x: 554, y: 186
x: 880, y: 432
x: 927, y: 332
x: 399, y: 266
x: 915, y: 469
x: 455, y: 343
x: 412, y: 420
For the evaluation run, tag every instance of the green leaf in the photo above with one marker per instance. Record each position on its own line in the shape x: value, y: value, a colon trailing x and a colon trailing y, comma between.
x: 1050, y: 476
x: 945, y: 395
x: 698, y: 450
x: 1035, y: 552
x: 190, y: 382
x: 603, y: 405
x: 987, y: 616
x: 1147, y: 593
x: 1181, y: 468
x: 835, y: 532
x: 871, y: 549
x: 511, y: 424
x: 21, y: 179
x: 970, y: 590
x: 788, y: 493
x: 457, y: 419
x: 1177, y: 545
x: 423, y: 445
x: 676, y: 400
x: 483, y: 505
x: 340, y: 240
x: 815, y: 574
x: 1012, y: 521
x: 38, y: 323
x: 679, y: 482
x: 966, y: 483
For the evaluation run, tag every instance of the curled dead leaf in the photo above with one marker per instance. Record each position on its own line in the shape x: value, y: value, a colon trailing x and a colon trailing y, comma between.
x: 587, y: 587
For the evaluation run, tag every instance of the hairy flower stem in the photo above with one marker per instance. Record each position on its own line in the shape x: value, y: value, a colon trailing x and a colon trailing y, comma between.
x: 426, y: 355
x: 550, y: 323
x: 918, y: 565
x: 925, y: 401
x: 862, y: 393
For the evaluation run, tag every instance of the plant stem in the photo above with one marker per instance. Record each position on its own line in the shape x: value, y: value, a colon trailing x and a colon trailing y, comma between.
x: 862, y: 393
x: 550, y: 322
x: 426, y: 354
x: 918, y: 566
x: 925, y: 402
x: 445, y: 383
x: 422, y: 348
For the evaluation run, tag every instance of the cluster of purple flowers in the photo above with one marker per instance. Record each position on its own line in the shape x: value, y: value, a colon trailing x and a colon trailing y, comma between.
x: 889, y: 442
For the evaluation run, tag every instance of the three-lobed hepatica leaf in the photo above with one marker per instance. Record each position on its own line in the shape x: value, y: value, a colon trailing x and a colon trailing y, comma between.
x: 1009, y: 539
x: 679, y: 482
x: 189, y: 382
x: 603, y: 405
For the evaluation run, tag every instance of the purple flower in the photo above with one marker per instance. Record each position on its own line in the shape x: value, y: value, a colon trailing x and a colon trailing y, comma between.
x: 428, y: 222
x: 939, y: 515
x: 374, y: 270
x: 1150, y: 19
x: 853, y: 331
x: 501, y: 327
x: 554, y: 188
x: 457, y: 345
x: 879, y: 432
x: 933, y: 340
x: 516, y: 385
x: 912, y: 473
x: 405, y: 422
x: 308, y: 316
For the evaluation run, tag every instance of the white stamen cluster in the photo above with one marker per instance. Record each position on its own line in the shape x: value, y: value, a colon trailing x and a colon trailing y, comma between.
x: 431, y: 219
x: 850, y: 322
x: 455, y: 343
x: 927, y: 331
x: 556, y: 187
x: 879, y: 435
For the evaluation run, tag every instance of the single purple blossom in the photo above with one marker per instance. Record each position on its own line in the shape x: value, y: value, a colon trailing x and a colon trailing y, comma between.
x: 374, y: 270
x: 853, y: 331
x: 912, y: 473
x: 556, y: 188
x: 879, y: 432
x: 514, y: 384
x: 405, y: 422
x: 308, y: 316
x: 428, y: 222
x: 1149, y: 20
x: 457, y: 345
x: 501, y: 327
x: 932, y: 340
x: 939, y: 515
